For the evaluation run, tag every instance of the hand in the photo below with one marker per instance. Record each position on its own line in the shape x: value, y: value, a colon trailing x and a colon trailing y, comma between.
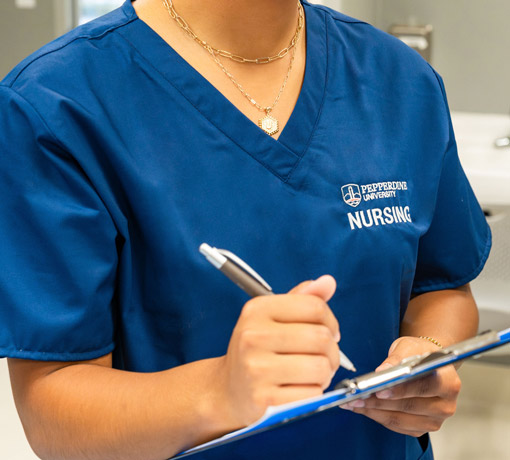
x: 283, y: 348
x: 416, y: 407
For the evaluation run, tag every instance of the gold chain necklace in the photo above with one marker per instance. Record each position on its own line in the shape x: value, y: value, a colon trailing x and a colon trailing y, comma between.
x: 169, y: 5
x: 269, y: 123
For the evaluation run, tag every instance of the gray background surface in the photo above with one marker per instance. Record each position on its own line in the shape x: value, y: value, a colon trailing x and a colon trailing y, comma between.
x: 471, y: 44
x: 23, y: 31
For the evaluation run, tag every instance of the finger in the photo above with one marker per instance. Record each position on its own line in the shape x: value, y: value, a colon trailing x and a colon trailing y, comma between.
x: 299, y: 338
x: 293, y: 338
x: 444, y: 383
x: 405, y: 347
x: 298, y: 370
x: 424, y: 387
x: 300, y: 287
x: 289, y: 393
x: 410, y: 424
x: 295, y: 308
x: 432, y: 407
x: 323, y: 287
x: 399, y: 350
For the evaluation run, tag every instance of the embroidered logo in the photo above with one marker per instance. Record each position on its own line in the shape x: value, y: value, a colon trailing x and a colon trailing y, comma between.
x: 354, y: 194
x: 351, y: 194
x: 376, y: 216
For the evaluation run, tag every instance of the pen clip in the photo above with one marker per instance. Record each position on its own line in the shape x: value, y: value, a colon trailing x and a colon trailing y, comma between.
x: 244, y: 266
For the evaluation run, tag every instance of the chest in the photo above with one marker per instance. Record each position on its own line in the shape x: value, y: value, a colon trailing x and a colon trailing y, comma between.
x: 341, y: 192
x: 248, y: 87
x: 251, y: 88
x: 287, y: 235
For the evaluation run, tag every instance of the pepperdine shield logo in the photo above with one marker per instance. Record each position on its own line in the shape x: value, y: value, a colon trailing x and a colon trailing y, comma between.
x: 351, y: 194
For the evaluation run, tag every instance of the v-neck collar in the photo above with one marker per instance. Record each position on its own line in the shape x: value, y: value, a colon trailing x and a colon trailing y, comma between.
x: 280, y: 155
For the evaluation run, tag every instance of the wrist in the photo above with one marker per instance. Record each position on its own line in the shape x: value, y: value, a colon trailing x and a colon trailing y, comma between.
x: 215, y: 408
x: 414, y: 345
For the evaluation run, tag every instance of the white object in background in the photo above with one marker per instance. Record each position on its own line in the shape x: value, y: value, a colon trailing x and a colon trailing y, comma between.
x: 63, y: 17
x: 13, y: 443
x: 487, y: 167
x: 418, y: 43
x: 26, y: 4
x: 417, y: 37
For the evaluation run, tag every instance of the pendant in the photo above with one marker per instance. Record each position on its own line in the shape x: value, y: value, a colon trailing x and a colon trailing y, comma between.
x: 269, y: 124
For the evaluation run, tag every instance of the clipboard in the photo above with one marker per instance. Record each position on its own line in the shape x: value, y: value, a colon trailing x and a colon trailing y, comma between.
x: 362, y: 386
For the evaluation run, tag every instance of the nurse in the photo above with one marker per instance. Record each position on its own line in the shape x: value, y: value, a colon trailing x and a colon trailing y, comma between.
x: 306, y: 142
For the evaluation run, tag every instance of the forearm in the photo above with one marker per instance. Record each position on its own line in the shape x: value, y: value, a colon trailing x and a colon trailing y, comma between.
x: 448, y: 316
x: 87, y: 411
x: 283, y: 348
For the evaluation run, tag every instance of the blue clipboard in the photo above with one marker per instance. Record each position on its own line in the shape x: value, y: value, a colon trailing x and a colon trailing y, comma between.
x: 362, y: 387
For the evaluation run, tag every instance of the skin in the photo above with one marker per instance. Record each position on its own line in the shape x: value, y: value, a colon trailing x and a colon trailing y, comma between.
x: 422, y: 406
x: 283, y: 347
x: 243, y: 27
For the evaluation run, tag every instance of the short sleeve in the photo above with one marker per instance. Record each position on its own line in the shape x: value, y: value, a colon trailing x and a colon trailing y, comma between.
x: 457, y: 244
x: 58, y: 255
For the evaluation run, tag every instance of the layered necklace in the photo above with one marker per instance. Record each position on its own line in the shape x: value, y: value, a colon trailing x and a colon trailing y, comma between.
x: 268, y: 123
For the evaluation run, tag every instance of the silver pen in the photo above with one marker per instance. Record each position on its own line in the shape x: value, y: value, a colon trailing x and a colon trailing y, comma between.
x: 248, y: 280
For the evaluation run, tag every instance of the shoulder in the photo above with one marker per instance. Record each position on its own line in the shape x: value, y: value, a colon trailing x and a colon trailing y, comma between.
x: 374, y: 52
x: 331, y: 13
x: 355, y: 31
x: 373, y: 67
x: 63, y: 60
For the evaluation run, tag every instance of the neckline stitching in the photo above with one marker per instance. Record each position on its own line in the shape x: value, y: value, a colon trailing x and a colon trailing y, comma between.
x: 326, y: 80
x: 282, y: 178
x: 272, y: 143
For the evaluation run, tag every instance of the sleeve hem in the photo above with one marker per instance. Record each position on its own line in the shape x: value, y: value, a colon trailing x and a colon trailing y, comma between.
x: 55, y: 356
x: 439, y: 285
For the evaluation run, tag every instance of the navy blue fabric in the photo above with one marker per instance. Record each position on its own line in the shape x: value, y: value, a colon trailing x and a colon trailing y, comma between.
x: 117, y: 160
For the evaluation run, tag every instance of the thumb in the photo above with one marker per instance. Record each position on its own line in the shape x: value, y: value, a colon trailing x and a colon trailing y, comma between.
x: 396, y: 354
x: 404, y: 347
x: 323, y: 287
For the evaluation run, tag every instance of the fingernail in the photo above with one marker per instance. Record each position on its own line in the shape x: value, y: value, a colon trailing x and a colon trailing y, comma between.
x: 310, y: 283
x: 325, y: 282
x: 337, y: 337
x: 393, y: 346
x: 385, y: 394
x: 320, y: 279
x: 384, y: 366
x: 358, y: 403
x: 346, y: 406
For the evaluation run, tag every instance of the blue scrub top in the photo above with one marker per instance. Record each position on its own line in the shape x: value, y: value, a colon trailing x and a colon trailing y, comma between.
x: 117, y: 159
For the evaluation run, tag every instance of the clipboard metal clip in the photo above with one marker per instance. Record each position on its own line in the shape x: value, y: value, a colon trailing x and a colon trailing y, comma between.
x: 362, y: 387
x: 418, y: 365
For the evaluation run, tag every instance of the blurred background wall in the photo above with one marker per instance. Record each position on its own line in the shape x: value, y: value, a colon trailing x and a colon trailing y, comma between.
x: 470, y: 44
